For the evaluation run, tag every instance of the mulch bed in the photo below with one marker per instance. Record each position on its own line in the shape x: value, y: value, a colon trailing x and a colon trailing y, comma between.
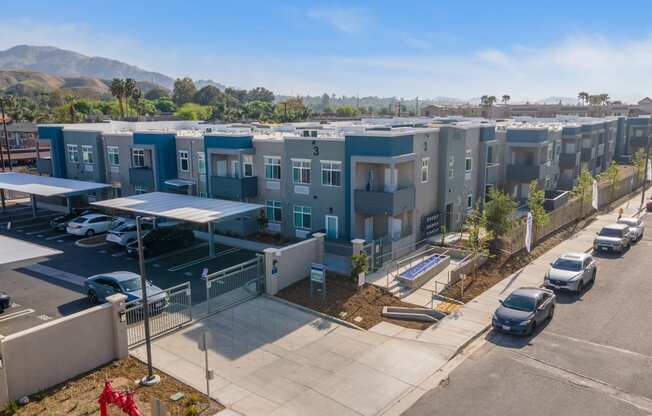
x: 92, y: 241
x: 344, y: 300
x: 78, y: 397
x: 500, y: 266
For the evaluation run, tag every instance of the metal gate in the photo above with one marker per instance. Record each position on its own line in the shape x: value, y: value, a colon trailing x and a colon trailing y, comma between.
x: 235, y: 284
x: 378, y: 252
x: 168, y: 310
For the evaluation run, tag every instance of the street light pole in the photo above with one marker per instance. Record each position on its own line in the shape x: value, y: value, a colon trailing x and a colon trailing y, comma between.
x: 151, y: 378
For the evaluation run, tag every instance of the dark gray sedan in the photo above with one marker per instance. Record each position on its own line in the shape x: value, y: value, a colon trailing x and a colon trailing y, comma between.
x: 523, y: 310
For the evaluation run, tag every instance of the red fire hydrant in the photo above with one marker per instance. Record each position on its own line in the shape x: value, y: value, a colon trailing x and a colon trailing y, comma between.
x: 122, y: 399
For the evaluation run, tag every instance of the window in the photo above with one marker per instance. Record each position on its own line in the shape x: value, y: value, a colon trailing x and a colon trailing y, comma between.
x: 468, y: 162
x: 469, y: 200
x: 87, y: 154
x: 302, y: 217
x: 451, y: 166
x: 183, y: 161
x: 138, y: 158
x: 114, y: 156
x: 139, y: 189
x: 248, y: 166
x: 274, y: 211
x: 301, y: 171
x: 272, y: 167
x: 73, y: 155
x: 424, y: 169
x: 331, y: 173
x: 201, y: 163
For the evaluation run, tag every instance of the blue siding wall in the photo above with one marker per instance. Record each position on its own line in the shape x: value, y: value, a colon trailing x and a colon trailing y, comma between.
x: 527, y: 135
x: 228, y: 142
x: 487, y: 133
x: 166, y: 154
x: 57, y: 149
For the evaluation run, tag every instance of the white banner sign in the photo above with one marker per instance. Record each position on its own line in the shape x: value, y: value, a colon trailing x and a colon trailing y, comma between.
x: 594, y: 200
x: 528, y: 233
x: 649, y: 170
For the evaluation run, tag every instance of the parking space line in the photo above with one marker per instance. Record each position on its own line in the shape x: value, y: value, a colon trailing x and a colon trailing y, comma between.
x: 198, y: 261
x: 174, y: 253
x: 57, y: 274
x: 16, y: 314
x: 36, y: 224
x: 45, y: 230
x: 59, y: 236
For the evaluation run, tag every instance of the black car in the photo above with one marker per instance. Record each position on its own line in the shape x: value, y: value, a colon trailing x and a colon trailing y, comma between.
x: 523, y: 310
x: 163, y: 240
x: 60, y: 222
x: 5, y: 301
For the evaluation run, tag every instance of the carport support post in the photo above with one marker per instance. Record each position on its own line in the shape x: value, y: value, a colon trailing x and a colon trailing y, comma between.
x: 320, y: 247
x: 2, y: 197
x: 151, y: 378
x: 211, y: 237
x: 33, y: 198
x: 69, y: 204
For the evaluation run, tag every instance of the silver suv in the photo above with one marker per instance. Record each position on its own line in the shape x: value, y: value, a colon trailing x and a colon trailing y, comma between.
x: 614, y: 238
x: 572, y: 271
x: 636, y: 227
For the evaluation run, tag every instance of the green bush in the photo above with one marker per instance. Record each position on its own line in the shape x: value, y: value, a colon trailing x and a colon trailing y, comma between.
x: 359, y: 264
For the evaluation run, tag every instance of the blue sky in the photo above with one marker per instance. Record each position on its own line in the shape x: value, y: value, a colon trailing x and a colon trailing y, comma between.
x: 384, y: 48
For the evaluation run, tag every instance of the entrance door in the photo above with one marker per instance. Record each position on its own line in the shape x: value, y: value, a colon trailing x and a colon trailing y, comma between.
x: 331, y: 227
x: 221, y: 168
x: 369, y: 229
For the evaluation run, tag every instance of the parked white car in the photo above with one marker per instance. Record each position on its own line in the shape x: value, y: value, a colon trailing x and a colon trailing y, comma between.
x: 125, y: 233
x: 91, y: 224
x: 636, y: 227
x: 572, y: 271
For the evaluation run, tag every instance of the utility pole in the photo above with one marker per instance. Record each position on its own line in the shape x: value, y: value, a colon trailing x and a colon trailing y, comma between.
x: 647, y: 161
x: 417, y: 112
x: 4, y: 124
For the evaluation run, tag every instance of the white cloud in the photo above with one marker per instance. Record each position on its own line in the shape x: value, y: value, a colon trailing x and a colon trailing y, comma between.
x: 342, y: 19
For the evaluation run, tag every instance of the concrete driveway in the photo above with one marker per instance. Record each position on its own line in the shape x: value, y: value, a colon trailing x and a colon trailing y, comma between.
x: 273, y: 359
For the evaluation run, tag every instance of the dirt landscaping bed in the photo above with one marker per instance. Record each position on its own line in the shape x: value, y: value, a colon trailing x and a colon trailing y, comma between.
x: 78, y: 397
x: 344, y: 300
x: 500, y: 266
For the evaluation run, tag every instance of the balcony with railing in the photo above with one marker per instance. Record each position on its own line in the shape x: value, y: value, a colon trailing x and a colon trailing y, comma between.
x: 229, y: 187
x: 517, y: 172
x: 142, y: 177
x: 379, y: 201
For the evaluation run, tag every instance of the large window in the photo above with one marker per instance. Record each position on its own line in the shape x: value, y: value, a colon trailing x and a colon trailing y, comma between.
x: 274, y: 211
x: 201, y: 164
x: 114, y: 155
x: 73, y: 155
x: 272, y: 167
x: 331, y: 173
x: 138, y: 158
x: 301, y: 171
x: 424, y: 169
x: 184, y: 163
x: 248, y: 166
x: 302, y: 217
x: 87, y: 154
x: 468, y: 162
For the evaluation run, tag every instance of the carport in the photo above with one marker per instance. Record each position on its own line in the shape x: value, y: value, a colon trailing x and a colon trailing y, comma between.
x: 181, y: 207
x: 44, y: 186
x: 16, y: 253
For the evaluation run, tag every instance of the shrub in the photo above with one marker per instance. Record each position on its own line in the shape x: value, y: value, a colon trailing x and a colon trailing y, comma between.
x: 359, y: 264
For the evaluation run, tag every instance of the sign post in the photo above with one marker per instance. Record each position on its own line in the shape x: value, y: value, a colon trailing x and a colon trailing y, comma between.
x: 528, y: 233
x: 205, y: 341
x: 594, y: 199
x: 318, y: 277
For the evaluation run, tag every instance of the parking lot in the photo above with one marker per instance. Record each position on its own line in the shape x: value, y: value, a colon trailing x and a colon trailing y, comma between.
x: 54, y: 287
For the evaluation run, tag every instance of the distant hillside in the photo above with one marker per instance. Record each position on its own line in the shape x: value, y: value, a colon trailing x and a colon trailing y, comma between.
x: 65, y: 63
x: 201, y: 83
x: 30, y: 83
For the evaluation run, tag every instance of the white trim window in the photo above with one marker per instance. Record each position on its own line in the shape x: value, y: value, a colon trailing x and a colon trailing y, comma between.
x: 451, y: 166
x: 301, y: 171
x: 137, y: 158
x: 468, y: 162
x: 273, y: 167
x: 87, y: 154
x: 302, y: 217
x: 73, y: 153
x: 425, y: 175
x: 184, y: 161
x: 247, y: 166
x: 140, y: 189
x: 201, y: 164
x: 113, y: 154
x: 274, y: 211
x: 331, y: 173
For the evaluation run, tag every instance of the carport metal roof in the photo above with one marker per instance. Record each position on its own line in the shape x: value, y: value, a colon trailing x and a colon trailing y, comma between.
x: 46, y: 185
x: 179, y: 207
x: 18, y: 253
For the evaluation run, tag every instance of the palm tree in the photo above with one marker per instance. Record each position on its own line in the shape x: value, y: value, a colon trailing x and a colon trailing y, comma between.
x: 604, y: 99
x: 70, y: 100
x: 130, y: 89
x: 583, y: 97
x: 491, y: 100
x: 506, y: 98
x: 117, y: 89
x: 483, y: 100
x: 136, y: 98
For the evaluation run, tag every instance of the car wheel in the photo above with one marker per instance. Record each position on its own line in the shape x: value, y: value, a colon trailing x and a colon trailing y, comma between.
x: 580, y: 287
x: 532, y: 328
x: 90, y: 233
x: 92, y: 297
x: 552, y: 312
x: 595, y: 272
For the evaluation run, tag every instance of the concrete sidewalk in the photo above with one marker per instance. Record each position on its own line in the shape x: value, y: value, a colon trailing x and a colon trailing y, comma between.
x: 459, y: 329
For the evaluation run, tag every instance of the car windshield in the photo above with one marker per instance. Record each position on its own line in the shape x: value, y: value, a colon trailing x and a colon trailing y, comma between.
x: 520, y: 303
x: 610, y: 232
x: 567, y: 264
x: 80, y: 220
x: 132, y: 285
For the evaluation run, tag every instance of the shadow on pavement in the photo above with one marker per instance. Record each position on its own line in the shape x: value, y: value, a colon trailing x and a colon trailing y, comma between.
x: 514, y: 341
x: 73, y: 306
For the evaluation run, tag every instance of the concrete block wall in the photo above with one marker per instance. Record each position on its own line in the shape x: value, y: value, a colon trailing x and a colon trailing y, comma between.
x: 292, y: 263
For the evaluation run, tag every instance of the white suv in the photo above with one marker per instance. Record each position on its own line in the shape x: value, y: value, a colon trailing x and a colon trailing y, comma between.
x: 636, y: 227
x: 91, y: 224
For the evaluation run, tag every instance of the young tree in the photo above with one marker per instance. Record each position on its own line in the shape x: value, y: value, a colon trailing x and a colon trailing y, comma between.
x: 611, y: 175
x: 475, y: 223
x: 583, y: 189
x: 535, y: 198
x: 639, y: 165
x: 499, y: 213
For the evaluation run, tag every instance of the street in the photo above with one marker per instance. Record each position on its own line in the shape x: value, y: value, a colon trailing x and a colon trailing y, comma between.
x: 593, y: 358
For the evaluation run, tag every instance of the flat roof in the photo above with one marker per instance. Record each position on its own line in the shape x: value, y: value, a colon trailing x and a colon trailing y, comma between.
x: 18, y: 253
x: 179, y: 207
x: 46, y: 185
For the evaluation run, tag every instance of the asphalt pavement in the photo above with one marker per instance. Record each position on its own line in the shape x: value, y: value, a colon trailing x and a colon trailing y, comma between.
x: 594, y: 358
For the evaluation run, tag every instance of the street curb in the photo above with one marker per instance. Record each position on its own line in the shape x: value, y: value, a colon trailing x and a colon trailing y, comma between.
x: 314, y: 312
x: 468, y: 342
x: 79, y: 243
